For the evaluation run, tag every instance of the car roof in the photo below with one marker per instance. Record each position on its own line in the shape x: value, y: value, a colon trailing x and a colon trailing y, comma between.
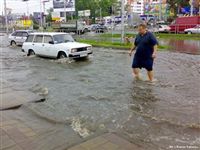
x: 47, y: 33
x: 24, y: 30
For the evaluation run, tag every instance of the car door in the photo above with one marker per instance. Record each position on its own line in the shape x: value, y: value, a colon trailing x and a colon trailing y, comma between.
x: 28, y: 44
x: 37, y: 45
x: 24, y: 37
x: 18, y: 37
x: 49, y: 46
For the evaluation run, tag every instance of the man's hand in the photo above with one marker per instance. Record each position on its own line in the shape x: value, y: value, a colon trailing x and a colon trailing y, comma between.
x: 130, y: 52
x: 154, y: 55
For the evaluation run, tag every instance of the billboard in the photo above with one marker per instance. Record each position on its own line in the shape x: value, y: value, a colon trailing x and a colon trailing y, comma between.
x: 154, y: 9
x: 84, y: 13
x: 58, y: 5
x: 56, y: 16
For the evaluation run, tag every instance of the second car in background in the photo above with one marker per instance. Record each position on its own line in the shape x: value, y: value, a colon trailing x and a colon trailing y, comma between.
x: 19, y: 37
x: 195, y: 30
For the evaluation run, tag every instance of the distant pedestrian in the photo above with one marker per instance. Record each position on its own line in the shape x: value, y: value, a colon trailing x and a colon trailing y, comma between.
x: 146, y: 51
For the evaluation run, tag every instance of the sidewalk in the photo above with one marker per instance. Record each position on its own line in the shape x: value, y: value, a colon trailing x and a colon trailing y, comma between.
x: 21, y: 129
x: 107, y: 141
x: 36, y: 135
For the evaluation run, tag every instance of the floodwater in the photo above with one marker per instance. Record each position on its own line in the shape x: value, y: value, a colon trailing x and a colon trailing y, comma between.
x: 100, y: 93
x: 183, y: 46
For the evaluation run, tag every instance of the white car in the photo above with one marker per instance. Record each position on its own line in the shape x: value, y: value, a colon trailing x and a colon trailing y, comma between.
x: 193, y: 30
x: 163, y: 28
x: 55, y: 45
x: 19, y: 37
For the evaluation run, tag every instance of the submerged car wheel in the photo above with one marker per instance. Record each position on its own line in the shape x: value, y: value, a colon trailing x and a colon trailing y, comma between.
x: 13, y: 43
x: 31, y: 52
x: 62, y: 55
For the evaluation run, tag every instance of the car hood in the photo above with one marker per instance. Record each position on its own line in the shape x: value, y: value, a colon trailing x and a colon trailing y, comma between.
x: 74, y: 45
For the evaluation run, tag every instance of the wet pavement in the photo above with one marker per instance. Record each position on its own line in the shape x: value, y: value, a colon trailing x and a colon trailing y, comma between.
x: 89, y: 97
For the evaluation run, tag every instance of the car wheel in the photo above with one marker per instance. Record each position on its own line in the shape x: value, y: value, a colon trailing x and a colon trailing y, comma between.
x: 62, y: 55
x: 189, y: 32
x: 13, y: 43
x: 31, y: 52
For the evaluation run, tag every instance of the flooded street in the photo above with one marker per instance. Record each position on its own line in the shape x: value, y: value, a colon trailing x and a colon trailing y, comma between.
x: 99, y: 95
x: 183, y: 46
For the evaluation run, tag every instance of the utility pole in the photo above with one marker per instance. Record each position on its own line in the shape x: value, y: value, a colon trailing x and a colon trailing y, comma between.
x: 6, y: 16
x: 41, y: 16
x: 65, y: 15
x: 44, y: 10
x: 160, y: 10
x: 199, y: 8
x: 27, y: 8
x: 44, y: 19
x: 122, y: 20
x: 192, y: 7
x: 100, y: 14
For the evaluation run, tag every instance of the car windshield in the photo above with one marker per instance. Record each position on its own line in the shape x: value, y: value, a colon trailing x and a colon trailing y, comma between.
x: 63, y: 38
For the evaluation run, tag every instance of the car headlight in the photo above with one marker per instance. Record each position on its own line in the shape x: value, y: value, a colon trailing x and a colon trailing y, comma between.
x: 89, y: 48
x: 73, y: 50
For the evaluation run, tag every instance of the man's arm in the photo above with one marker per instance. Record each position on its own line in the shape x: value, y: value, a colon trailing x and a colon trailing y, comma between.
x: 133, y: 47
x: 155, y: 49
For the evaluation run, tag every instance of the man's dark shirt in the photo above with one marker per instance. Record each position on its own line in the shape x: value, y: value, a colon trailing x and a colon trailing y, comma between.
x: 145, y: 44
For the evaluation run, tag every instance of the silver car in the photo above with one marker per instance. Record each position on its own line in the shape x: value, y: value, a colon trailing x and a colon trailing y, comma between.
x: 19, y: 37
x: 193, y: 30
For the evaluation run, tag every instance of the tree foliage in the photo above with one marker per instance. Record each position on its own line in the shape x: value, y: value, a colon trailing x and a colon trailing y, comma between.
x: 95, y: 5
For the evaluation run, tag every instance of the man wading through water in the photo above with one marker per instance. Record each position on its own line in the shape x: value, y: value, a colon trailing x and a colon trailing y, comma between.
x: 146, y: 50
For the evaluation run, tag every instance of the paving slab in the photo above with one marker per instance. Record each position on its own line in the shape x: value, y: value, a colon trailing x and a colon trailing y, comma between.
x: 15, y: 99
x: 107, y: 141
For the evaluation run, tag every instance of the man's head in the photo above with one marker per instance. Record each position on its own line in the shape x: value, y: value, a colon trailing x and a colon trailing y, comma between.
x: 142, y: 28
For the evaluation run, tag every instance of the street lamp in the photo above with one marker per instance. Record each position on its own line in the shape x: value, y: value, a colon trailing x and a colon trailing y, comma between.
x: 6, y: 16
x: 26, y: 6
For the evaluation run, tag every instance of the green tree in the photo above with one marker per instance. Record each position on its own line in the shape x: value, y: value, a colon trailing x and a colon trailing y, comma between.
x: 49, y: 16
x: 94, y: 6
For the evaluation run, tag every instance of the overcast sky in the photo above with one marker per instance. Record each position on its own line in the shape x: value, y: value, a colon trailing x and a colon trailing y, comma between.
x: 18, y: 6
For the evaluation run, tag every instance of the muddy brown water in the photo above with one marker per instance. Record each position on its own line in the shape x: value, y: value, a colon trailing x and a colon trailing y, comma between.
x: 100, y: 93
x: 183, y: 46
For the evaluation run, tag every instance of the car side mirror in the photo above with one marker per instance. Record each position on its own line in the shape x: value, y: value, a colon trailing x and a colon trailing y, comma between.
x: 51, y: 42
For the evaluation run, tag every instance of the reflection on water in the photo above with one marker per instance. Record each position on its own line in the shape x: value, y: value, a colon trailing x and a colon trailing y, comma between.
x: 183, y: 46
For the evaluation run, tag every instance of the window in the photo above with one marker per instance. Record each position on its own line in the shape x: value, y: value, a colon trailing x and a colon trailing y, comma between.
x: 24, y: 34
x: 30, y: 38
x: 47, y: 39
x: 14, y: 34
x: 18, y: 34
x: 38, y: 39
x: 63, y: 38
